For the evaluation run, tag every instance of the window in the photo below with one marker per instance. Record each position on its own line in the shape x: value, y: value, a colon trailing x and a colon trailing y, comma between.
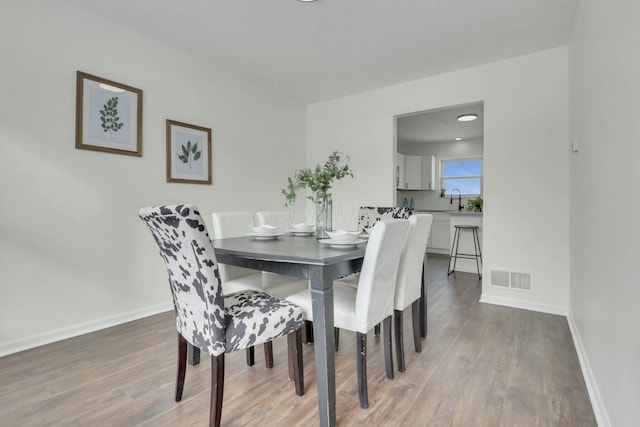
x: 465, y: 174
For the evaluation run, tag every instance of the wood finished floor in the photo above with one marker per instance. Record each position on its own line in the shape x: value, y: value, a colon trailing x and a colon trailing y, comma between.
x: 481, y: 365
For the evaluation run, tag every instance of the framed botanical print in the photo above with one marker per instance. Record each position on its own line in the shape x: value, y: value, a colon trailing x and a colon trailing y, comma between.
x: 188, y: 153
x: 108, y: 116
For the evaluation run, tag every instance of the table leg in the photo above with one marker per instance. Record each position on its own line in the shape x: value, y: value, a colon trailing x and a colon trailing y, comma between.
x: 324, y: 343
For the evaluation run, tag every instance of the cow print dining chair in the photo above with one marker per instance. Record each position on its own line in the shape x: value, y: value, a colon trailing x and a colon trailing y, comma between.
x: 207, y: 319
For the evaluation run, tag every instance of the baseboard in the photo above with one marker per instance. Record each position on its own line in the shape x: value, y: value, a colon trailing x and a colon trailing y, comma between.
x: 525, y: 305
x: 37, y: 340
x: 599, y: 410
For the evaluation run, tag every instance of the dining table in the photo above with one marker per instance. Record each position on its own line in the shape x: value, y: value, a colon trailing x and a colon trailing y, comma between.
x: 321, y: 263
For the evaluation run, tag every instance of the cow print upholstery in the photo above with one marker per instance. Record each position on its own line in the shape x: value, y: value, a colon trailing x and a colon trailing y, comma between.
x: 368, y: 215
x: 204, y: 317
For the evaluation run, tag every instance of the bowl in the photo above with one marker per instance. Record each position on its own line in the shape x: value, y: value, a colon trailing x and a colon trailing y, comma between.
x: 302, y: 227
x: 265, y: 230
x: 343, y: 235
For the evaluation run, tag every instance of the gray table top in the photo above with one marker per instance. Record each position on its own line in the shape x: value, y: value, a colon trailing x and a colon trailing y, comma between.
x: 288, y: 248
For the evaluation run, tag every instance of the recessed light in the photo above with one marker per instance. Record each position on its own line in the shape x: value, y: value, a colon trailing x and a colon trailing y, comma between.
x: 458, y: 139
x: 305, y: 1
x: 467, y: 117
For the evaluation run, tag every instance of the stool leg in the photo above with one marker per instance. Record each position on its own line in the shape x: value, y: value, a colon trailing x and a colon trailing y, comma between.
x: 451, y: 256
x: 456, y: 236
x: 478, y: 252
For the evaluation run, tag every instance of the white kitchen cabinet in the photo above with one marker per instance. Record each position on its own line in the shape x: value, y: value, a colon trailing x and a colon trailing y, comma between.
x: 419, y: 172
x: 400, y: 171
x: 439, y: 238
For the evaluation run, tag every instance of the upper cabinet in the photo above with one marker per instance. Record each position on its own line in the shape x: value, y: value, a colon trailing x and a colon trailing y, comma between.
x: 419, y: 172
x: 400, y: 171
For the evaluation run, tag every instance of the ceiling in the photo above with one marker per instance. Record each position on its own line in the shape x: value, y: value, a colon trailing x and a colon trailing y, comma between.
x: 441, y: 125
x: 331, y: 48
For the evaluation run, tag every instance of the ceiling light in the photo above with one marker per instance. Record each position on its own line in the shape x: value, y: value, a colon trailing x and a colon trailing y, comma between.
x: 304, y: 1
x: 458, y: 139
x: 467, y: 117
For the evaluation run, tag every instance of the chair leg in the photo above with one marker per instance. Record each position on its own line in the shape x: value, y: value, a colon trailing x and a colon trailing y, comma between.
x: 182, y: 366
x: 388, y: 350
x: 336, y: 336
x: 308, y: 332
x: 296, y: 367
x: 423, y: 304
x: 268, y: 354
x: 415, y: 315
x: 399, y: 330
x: 250, y: 356
x: 362, y: 369
x: 217, y: 388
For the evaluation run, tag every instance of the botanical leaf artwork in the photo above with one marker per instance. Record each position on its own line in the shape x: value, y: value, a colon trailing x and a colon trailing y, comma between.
x: 109, y: 116
x: 190, y: 153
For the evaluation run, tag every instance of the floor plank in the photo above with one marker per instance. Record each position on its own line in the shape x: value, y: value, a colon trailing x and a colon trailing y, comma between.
x: 481, y: 365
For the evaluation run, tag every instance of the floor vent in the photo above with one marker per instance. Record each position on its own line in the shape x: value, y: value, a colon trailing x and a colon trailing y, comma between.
x: 511, y: 279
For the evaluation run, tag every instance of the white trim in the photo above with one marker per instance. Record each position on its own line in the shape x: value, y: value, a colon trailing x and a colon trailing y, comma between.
x: 599, y: 410
x: 525, y: 305
x: 9, y: 347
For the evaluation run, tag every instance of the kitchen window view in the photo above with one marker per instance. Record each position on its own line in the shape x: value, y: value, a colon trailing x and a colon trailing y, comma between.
x: 463, y: 174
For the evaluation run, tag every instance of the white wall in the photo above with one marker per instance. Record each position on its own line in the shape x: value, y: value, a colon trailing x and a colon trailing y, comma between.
x: 605, y: 89
x: 526, y: 156
x: 73, y: 254
x: 441, y: 150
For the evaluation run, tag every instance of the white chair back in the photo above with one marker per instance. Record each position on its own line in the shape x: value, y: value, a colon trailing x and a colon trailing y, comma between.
x: 377, y: 283
x: 411, y: 261
x: 227, y: 225
x: 275, y: 218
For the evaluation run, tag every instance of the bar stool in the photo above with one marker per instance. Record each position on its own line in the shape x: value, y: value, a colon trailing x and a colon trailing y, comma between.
x: 456, y: 245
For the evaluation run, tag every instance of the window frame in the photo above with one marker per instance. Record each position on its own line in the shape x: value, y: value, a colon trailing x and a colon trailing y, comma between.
x: 480, y: 177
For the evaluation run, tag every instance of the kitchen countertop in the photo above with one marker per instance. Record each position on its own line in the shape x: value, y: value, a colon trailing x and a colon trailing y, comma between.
x: 451, y: 212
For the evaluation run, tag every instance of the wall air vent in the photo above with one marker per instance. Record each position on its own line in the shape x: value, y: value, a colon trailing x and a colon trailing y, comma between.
x: 500, y: 278
x: 511, y: 279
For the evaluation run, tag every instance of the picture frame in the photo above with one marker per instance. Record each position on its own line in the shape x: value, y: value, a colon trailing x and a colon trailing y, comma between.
x: 108, y: 116
x: 188, y: 153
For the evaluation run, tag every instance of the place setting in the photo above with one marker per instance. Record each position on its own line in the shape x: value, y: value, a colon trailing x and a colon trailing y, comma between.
x: 302, y: 229
x: 266, y: 232
x: 344, y: 238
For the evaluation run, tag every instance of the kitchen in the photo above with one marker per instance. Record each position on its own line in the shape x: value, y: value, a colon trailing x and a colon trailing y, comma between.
x: 439, y: 171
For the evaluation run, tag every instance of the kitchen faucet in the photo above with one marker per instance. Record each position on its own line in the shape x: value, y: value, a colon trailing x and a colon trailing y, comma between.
x: 460, y: 207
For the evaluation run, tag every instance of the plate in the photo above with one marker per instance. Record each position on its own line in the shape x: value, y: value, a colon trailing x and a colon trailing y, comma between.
x: 266, y: 236
x: 301, y: 233
x: 338, y: 244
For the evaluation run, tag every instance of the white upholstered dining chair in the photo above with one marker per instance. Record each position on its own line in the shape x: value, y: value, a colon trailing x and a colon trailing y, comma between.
x: 207, y: 319
x: 409, y: 282
x: 360, y: 308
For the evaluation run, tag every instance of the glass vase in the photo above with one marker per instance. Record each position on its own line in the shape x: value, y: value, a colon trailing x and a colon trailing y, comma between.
x: 324, y: 207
